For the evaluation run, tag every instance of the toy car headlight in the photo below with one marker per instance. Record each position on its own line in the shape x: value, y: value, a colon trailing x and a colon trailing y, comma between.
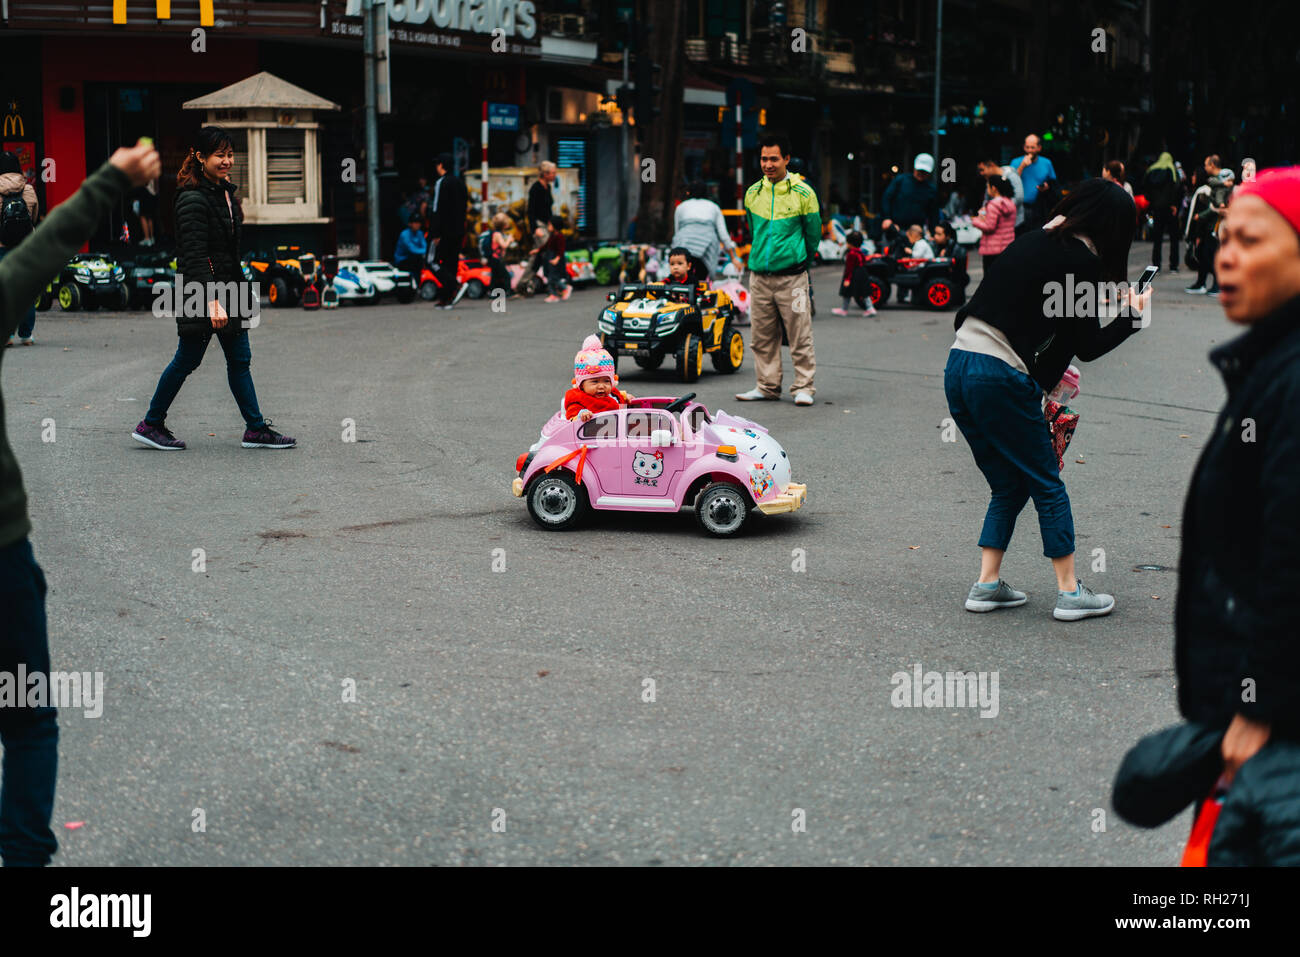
x: 606, y: 321
x: 118, y: 272
x: 666, y: 327
x: 83, y: 272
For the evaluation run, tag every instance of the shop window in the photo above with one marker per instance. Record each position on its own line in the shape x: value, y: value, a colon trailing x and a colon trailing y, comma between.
x: 285, y: 167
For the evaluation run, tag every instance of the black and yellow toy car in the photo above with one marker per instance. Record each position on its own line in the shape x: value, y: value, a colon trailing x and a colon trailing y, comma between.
x: 282, y: 278
x: 653, y: 320
x: 88, y: 281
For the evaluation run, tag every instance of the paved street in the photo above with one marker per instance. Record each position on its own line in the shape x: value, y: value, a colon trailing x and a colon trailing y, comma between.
x: 521, y: 690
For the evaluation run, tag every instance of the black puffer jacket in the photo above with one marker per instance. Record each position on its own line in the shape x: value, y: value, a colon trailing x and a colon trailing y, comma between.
x: 207, y: 240
x: 1235, y: 622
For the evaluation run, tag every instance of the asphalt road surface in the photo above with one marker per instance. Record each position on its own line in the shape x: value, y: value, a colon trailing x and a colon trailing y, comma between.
x: 515, y: 697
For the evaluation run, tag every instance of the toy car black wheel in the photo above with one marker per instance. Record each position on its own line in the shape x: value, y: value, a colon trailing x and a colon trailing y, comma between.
x: 405, y: 295
x: 428, y: 290
x: 938, y: 294
x: 122, y: 299
x: 877, y: 291
x: 731, y: 353
x: 277, y: 293
x: 69, y: 297
x: 475, y: 289
x: 721, y: 508
x: 650, y: 362
x: 690, y: 358
x: 557, y: 502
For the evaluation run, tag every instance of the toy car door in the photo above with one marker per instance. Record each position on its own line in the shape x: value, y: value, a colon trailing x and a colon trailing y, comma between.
x: 604, y: 450
x: 652, y: 455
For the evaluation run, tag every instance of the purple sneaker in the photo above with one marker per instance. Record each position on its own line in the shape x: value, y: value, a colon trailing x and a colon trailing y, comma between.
x: 267, y: 438
x: 156, y: 437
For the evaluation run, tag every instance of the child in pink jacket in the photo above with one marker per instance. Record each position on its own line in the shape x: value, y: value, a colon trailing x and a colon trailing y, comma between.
x: 996, y: 220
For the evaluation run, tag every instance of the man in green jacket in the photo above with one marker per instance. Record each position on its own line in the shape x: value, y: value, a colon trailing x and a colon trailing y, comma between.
x: 786, y: 226
x: 28, y: 730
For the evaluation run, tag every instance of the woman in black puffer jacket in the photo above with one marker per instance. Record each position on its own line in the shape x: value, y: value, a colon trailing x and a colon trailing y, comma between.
x: 208, y: 218
x: 1236, y: 638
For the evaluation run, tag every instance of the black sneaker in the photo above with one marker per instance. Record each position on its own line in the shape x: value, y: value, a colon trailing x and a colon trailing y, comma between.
x: 156, y: 437
x: 267, y: 438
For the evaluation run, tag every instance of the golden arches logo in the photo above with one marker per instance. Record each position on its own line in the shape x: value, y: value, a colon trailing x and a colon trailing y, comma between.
x: 14, y: 125
x: 206, y: 16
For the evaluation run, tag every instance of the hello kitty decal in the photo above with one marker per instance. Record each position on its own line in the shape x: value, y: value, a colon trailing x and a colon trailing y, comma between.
x: 647, y: 467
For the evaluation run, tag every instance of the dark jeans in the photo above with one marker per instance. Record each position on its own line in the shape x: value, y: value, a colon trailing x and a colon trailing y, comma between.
x: 30, y: 735
x: 414, y: 265
x: 998, y: 409
x: 500, y: 275
x: 1205, y: 262
x: 1164, y: 221
x: 557, y: 276
x: 28, y: 321
x: 448, y: 259
x: 189, y: 353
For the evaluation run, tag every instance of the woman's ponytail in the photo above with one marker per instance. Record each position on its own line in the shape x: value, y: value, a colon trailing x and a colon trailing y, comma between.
x: 189, y: 174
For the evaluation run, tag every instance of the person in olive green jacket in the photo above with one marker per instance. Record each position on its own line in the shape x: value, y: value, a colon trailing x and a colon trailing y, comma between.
x: 28, y: 730
x: 786, y: 226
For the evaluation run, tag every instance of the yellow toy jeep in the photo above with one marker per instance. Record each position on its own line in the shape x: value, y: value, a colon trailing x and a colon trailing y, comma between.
x: 650, y: 321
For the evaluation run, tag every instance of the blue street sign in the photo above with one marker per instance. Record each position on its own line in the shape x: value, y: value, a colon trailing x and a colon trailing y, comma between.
x: 503, y: 116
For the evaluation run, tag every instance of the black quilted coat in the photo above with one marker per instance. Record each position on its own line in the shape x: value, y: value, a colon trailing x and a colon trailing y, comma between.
x: 207, y: 240
x: 1236, y: 630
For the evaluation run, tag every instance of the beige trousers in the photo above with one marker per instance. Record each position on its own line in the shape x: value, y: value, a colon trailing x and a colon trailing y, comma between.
x: 773, y: 301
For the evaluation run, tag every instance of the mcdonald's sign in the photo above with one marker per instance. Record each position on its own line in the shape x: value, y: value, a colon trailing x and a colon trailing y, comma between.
x: 206, y: 16
x: 13, y: 123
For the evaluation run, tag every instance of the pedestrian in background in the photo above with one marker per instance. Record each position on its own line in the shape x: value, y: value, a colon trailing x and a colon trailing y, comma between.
x: 911, y: 199
x: 208, y: 219
x: 541, y: 199
x: 553, y: 262
x: 1038, y: 179
x: 1113, y: 172
x: 412, y: 247
x: 449, y: 205
x: 18, y: 214
x: 1162, y: 188
x: 1008, y: 353
x: 989, y: 168
x: 30, y: 735
x: 785, y: 223
x: 700, y: 228
x: 1204, y: 214
x: 996, y: 221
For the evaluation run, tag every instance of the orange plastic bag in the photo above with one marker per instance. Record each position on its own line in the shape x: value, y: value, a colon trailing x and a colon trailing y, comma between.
x: 1197, y: 851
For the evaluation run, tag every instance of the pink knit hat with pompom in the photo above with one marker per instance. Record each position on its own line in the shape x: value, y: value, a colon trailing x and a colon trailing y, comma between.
x: 593, y: 362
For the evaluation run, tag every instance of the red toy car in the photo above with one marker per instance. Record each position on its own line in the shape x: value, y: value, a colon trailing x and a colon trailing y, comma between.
x: 474, y: 273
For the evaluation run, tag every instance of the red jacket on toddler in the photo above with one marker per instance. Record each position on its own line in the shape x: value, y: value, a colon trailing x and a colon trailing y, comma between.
x: 575, y: 400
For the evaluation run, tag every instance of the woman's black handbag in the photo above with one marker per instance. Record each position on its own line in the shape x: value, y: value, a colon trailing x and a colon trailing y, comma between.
x: 1190, y: 257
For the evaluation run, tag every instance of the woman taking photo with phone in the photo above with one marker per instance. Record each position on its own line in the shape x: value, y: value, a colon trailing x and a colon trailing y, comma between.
x: 1009, y: 351
x: 208, y: 219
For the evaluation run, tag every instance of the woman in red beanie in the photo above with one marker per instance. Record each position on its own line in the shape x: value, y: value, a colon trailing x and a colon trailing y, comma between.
x: 1237, y: 627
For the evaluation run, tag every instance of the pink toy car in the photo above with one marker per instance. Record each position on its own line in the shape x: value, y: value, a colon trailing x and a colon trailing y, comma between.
x: 657, y: 455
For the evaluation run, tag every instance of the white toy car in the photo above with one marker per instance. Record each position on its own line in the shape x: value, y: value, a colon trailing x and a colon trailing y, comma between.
x: 386, y: 278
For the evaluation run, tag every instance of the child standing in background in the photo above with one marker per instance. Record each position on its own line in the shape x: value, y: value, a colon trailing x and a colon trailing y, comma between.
x: 854, y: 259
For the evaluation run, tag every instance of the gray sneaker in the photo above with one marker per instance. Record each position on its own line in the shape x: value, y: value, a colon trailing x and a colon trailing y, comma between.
x: 1086, y: 604
x: 991, y: 599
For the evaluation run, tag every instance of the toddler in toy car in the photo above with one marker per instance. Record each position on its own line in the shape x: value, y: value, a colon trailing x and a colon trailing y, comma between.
x: 594, y: 381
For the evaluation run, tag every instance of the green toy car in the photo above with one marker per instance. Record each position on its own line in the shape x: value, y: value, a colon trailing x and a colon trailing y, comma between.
x: 88, y: 281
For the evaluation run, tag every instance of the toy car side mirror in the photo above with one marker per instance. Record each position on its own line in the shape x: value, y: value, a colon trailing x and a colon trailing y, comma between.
x: 661, y: 438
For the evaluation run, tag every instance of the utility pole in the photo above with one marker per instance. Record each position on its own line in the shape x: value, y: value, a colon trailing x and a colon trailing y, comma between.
x: 938, y: 72
x: 370, y: 32
x: 623, y: 159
